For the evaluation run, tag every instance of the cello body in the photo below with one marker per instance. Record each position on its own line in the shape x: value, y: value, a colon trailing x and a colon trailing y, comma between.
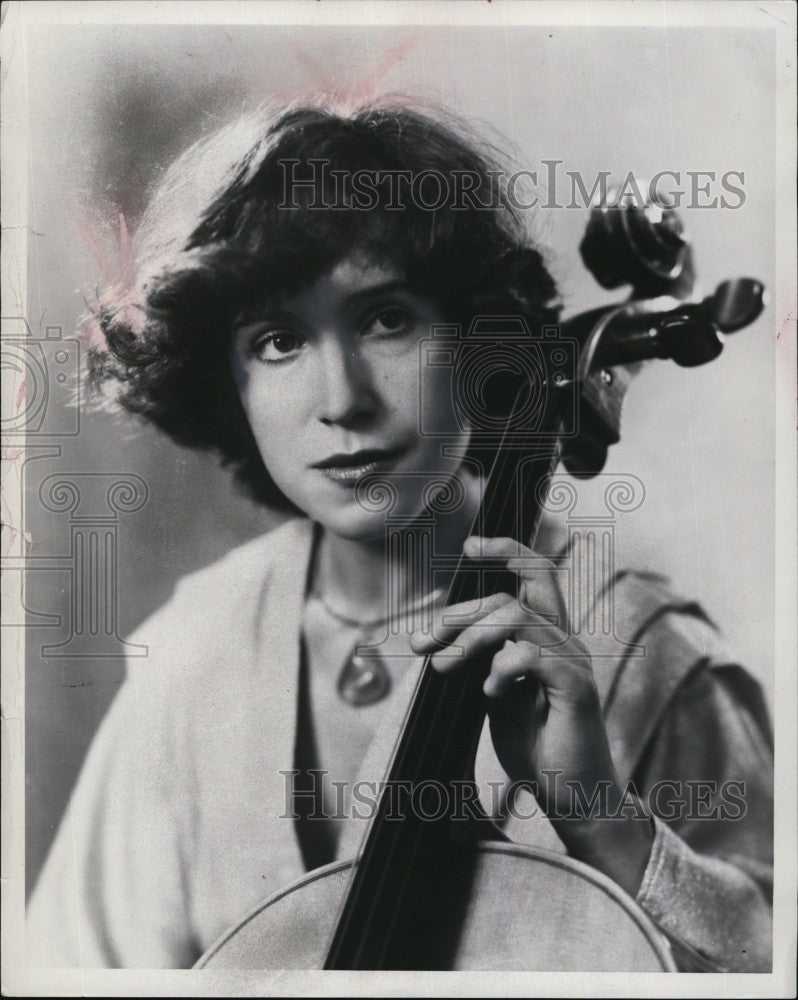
x: 529, y: 910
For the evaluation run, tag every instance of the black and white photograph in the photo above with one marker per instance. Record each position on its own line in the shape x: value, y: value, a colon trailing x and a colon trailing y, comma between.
x: 398, y: 498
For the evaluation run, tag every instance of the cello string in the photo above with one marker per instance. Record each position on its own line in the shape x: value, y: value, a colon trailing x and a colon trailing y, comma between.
x: 433, y: 767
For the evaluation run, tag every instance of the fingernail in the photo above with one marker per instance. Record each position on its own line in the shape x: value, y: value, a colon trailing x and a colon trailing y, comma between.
x: 443, y: 661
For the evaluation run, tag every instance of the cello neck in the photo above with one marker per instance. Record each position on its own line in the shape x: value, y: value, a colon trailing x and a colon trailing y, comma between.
x: 429, y: 783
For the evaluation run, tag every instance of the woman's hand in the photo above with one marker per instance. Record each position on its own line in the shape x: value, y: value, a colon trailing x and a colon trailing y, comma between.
x: 544, y: 710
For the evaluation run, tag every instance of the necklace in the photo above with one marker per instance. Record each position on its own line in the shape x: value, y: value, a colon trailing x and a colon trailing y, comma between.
x: 367, y: 626
x: 364, y: 680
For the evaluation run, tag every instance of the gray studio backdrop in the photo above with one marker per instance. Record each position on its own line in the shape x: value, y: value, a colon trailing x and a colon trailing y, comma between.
x: 110, y: 106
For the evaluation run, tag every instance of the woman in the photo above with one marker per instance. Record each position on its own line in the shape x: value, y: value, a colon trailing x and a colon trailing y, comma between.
x: 288, y: 273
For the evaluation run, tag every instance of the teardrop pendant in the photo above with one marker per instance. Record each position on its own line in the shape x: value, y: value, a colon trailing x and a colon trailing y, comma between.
x: 363, y: 679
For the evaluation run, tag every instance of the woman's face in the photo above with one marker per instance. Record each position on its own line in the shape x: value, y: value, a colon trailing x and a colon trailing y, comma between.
x: 331, y: 384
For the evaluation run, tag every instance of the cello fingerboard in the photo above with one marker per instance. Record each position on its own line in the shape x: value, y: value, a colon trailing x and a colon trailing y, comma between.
x: 386, y: 921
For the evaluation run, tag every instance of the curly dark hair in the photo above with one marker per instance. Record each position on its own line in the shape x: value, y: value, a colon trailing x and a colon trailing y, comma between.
x: 218, y: 233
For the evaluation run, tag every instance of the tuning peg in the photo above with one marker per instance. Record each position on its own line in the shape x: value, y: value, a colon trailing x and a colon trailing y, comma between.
x: 689, y: 340
x: 683, y: 335
x: 736, y: 303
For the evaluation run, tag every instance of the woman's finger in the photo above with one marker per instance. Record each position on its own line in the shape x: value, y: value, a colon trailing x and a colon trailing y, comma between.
x: 450, y: 621
x: 510, y: 621
x: 517, y: 555
x: 560, y: 676
x: 540, y: 589
x: 480, y: 546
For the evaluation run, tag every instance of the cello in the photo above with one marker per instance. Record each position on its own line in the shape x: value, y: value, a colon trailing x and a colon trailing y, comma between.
x: 426, y: 892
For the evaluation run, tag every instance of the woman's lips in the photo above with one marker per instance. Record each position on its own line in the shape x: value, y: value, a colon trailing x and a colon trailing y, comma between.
x: 346, y: 470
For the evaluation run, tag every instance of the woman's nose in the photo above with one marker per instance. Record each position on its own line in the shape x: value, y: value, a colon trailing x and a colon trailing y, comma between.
x: 347, y: 394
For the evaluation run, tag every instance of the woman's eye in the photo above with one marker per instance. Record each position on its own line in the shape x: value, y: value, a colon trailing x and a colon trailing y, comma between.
x: 279, y: 345
x: 394, y: 319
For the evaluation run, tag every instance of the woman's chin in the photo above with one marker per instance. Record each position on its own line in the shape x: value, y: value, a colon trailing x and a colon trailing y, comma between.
x: 356, y: 525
